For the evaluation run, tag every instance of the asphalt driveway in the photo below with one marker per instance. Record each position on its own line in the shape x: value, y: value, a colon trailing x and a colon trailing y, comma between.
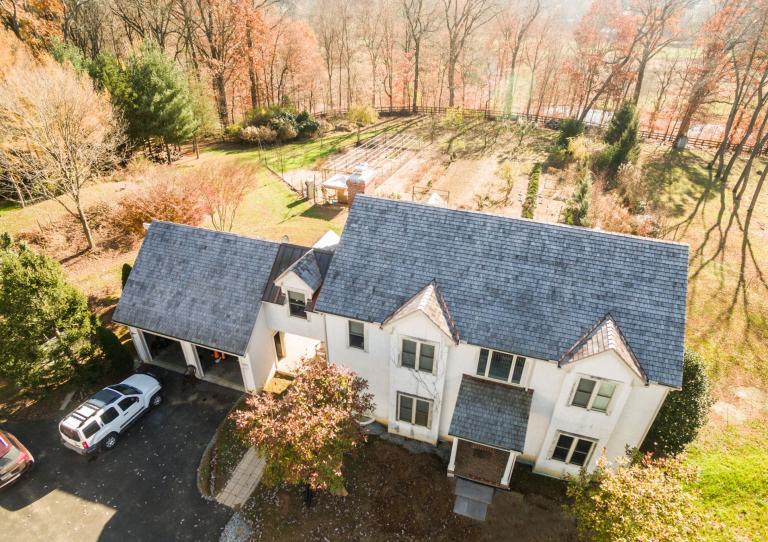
x: 144, y: 489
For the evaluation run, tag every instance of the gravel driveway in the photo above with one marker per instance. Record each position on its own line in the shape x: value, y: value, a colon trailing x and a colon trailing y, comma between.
x: 144, y: 489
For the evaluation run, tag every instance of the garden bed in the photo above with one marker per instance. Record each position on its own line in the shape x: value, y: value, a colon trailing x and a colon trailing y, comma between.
x: 222, y: 457
x: 394, y: 494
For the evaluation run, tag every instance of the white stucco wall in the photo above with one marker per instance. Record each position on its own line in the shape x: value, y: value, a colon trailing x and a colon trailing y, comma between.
x: 260, y: 355
x: 633, y: 407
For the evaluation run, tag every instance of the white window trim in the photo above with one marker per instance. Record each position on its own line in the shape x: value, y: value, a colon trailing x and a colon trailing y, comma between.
x: 288, y: 304
x: 419, y: 342
x: 365, y: 336
x: 515, y: 357
x: 598, y: 382
x: 415, y: 398
x: 576, y: 439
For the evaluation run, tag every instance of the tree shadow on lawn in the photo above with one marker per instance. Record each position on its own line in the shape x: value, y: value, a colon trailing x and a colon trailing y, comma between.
x: 323, y: 211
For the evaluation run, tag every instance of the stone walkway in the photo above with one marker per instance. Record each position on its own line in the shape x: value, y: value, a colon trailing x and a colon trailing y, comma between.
x: 244, y: 480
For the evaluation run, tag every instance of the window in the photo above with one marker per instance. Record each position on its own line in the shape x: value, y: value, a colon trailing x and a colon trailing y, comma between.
x: 125, y: 389
x: 502, y: 366
x: 297, y: 304
x: 109, y: 415
x: 126, y: 403
x: 356, y: 335
x: 91, y: 429
x: 414, y: 410
x: 593, y: 394
x: 572, y: 450
x: 418, y: 355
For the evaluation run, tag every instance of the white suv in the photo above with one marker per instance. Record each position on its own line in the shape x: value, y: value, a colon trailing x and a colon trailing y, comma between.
x: 98, y: 422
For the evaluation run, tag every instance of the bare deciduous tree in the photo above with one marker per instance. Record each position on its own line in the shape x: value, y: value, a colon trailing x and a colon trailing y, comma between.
x: 58, y: 133
x: 462, y: 18
x: 223, y: 186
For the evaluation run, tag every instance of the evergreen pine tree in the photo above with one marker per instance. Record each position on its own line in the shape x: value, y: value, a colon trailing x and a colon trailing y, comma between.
x: 157, y: 104
x: 46, y: 329
x: 577, y: 210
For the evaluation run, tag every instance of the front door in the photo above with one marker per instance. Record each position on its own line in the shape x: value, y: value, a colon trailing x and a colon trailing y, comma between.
x: 279, y: 350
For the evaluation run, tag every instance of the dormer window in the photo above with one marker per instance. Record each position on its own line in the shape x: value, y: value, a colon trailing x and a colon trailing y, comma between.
x: 500, y: 366
x: 593, y: 394
x: 297, y: 304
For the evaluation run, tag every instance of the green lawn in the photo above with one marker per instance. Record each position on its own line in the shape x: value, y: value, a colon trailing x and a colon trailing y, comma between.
x: 302, y: 154
x: 733, y: 487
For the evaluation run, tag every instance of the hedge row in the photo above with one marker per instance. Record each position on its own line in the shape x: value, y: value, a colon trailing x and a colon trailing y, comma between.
x: 529, y: 205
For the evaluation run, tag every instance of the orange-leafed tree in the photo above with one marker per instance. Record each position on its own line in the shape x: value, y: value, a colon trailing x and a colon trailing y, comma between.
x: 305, y: 433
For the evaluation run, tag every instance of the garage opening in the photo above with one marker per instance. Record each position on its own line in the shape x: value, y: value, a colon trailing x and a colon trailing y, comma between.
x: 218, y: 365
x: 165, y: 350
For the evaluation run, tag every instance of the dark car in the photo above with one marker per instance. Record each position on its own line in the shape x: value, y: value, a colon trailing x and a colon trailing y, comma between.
x: 15, y: 459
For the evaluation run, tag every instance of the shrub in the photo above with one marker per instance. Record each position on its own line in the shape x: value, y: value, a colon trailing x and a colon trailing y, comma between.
x: 120, y: 359
x: 261, y: 135
x: 223, y: 186
x: 576, y: 213
x: 631, y: 183
x: 233, y: 130
x: 569, y: 128
x: 125, y: 272
x: 285, y: 129
x: 625, y: 118
x: 683, y: 413
x: 362, y: 115
x: 578, y: 149
x: 529, y: 205
x: 645, y: 500
x: 172, y: 198
x: 324, y: 127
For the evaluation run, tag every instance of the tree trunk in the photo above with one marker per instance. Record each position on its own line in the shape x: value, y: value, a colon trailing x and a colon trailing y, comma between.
x: 416, y: 76
x: 86, y: 227
x: 167, y: 152
x: 196, y: 147
x: 639, y: 82
x: 220, y: 88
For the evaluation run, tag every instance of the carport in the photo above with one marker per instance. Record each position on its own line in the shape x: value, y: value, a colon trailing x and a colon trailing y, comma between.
x: 200, y: 292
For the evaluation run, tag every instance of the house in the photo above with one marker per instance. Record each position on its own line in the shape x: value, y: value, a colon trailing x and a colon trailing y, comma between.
x: 516, y: 341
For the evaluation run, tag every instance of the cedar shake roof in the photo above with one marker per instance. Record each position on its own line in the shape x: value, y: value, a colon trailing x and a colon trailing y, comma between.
x: 491, y: 413
x: 514, y: 285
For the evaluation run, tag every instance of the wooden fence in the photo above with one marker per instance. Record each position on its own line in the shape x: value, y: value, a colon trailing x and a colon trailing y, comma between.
x: 543, y: 120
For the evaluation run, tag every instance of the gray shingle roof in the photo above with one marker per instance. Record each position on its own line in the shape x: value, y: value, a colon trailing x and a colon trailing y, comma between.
x: 516, y: 285
x: 197, y: 285
x: 491, y: 413
x: 307, y: 269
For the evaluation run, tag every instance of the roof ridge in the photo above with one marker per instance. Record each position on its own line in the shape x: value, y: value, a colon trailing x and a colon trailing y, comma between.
x: 226, y: 233
x: 555, y: 225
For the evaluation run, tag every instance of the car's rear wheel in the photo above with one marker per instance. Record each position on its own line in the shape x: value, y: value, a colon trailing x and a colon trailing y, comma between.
x: 156, y: 400
x: 110, y: 441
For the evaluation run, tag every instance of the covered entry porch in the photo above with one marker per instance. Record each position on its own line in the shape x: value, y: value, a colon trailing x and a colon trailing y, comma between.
x: 224, y: 369
x: 489, y: 426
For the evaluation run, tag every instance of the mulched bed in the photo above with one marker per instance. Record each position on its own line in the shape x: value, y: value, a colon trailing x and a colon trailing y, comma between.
x: 398, y: 495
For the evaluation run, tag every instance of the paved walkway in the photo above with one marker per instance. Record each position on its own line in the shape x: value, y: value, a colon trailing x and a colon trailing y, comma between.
x: 244, y: 480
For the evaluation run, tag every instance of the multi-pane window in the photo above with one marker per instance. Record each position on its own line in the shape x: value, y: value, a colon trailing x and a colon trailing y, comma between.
x: 413, y: 410
x: 593, y: 394
x: 573, y: 450
x: 500, y: 366
x: 297, y: 304
x: 356, y: 335
x: 418, y: 355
